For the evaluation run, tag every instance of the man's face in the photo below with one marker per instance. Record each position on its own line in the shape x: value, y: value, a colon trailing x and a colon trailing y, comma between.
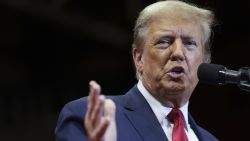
x: 168, y: 62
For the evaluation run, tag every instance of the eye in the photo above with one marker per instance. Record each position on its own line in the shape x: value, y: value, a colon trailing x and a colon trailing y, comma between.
x: 190, y: 43
x: 164, y: 43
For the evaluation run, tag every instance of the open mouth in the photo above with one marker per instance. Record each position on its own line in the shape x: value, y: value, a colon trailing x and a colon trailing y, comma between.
x: 176, y: 72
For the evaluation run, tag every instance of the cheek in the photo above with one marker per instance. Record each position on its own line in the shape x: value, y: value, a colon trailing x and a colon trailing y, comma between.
x: 193, y: 63
x: 195, y: 58
x: 153, y: 59
x: 154, y: 63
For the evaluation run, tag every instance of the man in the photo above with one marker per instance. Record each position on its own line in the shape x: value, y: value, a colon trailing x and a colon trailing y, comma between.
x: 171, y: 39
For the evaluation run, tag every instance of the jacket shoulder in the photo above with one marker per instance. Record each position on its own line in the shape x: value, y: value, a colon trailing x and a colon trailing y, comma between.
x: 206, y: 135
x: 70, y: 121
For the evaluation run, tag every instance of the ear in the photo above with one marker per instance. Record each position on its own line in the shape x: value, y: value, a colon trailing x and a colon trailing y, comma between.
x: 138, y: 60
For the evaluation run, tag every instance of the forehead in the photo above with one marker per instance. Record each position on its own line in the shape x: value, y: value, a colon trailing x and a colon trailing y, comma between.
x: 186, y: 27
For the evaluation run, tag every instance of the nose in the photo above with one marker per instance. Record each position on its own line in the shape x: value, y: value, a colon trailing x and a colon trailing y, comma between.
x: 177, y: 51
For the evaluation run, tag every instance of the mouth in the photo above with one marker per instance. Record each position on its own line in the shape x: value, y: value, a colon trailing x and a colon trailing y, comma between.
x: 176, y: 72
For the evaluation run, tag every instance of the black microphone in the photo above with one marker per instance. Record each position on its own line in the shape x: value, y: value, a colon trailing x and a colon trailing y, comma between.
x: 219, y: 75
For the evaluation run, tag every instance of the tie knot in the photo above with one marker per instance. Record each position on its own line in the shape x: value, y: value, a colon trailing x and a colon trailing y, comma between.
x: 175, y: 115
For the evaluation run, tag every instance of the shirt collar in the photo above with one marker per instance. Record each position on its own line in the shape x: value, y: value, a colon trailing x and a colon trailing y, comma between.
x: 160, y: 110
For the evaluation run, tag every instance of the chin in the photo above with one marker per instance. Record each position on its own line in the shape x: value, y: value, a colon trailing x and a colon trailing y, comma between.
x: 175, y: 88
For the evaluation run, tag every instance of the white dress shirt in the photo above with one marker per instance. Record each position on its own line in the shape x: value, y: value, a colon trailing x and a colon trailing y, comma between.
x: 161, y: 113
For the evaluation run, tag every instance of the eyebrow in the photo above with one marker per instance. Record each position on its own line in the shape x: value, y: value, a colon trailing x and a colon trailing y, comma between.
x: 187, y: 37
x: 166, y: 34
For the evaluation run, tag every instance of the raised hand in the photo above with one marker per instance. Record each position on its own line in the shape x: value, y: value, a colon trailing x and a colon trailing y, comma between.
x: 99, y: 120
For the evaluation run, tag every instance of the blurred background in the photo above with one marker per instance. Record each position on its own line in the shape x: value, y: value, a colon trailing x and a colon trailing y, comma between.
x: 51, y: 49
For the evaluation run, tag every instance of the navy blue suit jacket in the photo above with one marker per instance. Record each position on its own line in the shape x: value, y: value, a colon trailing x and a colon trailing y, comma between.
x: 134, y: 117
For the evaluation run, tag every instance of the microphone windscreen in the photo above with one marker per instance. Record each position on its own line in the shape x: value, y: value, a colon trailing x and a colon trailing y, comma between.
x: 210, y: 73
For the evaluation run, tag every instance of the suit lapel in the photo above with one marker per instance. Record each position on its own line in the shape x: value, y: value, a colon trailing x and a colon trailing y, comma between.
x: 139, y: 113
x: 195, y: 128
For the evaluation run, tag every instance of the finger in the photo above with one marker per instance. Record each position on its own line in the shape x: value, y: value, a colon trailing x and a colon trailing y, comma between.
x: 94, y: 93
x: 106, y: 128
x: 109, y: 112
x: 94, y: 90
x: 101, y: 128
x: 109, y: 108
x: 98, y: 111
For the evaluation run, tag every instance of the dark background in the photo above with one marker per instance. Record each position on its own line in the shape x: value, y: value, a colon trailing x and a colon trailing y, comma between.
x: 51, y: 49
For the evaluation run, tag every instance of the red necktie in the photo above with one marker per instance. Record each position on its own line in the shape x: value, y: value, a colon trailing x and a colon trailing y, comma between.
x: 176, y: 117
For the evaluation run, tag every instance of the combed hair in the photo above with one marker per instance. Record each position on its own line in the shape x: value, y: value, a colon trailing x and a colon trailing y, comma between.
x: 174, y: 9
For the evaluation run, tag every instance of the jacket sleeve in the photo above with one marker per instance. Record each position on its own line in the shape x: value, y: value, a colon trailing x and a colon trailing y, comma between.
x: 70, y: 125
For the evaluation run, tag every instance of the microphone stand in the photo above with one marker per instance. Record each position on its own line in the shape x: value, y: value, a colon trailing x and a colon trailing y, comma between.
x: 244, y: 83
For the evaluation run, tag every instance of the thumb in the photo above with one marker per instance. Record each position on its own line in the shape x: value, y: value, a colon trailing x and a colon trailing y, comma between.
x: 109, y: 109
x: 109, y: 112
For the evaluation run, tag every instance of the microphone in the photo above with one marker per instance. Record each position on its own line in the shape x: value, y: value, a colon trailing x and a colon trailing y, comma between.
x: 219, y: 75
